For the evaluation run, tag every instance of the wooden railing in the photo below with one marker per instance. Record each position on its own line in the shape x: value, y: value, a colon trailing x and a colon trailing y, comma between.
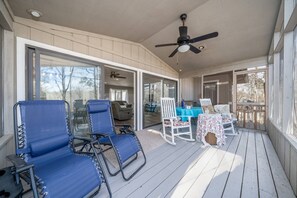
x: 251, y: 115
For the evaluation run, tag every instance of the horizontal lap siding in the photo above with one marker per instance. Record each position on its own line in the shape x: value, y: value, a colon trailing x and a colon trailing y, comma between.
x: 100, y: 46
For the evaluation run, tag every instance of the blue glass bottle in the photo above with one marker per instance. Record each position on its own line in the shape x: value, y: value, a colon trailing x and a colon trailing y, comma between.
x: 183, y: 105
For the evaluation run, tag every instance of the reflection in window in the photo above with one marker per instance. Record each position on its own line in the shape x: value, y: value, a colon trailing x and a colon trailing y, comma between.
x: 154, y: 88
x: 118, y: 94
x: 169, y: 89
x: 57, y: 77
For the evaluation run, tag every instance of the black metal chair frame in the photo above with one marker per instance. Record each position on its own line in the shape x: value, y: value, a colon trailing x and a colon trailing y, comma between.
x: 126, y: 129
x: 26, y: 171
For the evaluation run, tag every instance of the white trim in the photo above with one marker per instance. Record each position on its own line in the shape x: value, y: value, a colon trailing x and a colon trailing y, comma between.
x: 234, y: 94
x: 202, y: 79
x: 250, y: 71
x: 139, y: 101
x: 248, y: 63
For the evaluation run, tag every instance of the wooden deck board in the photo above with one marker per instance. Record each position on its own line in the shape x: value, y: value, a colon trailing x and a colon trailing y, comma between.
x: 152, y: 171
x: 247, y: 166
x: 164, y: 172
x: 266, y: 184
x: 282, y: 184
x: 250, y: 178
x: 169, y: 182
x: 233, y: 184
x: 217, y: 184
x: 186, y: 182
x: 201, y: 183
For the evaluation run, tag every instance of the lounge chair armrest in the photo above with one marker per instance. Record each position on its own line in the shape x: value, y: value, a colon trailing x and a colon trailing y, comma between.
x: 122, y: 125
x: 82, y: 138
x: 86, y: 140
x: 18, y: 162
x: 126, y: 129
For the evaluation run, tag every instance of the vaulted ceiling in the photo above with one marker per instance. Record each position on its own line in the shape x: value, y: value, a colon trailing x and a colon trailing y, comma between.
x: 245, y: 27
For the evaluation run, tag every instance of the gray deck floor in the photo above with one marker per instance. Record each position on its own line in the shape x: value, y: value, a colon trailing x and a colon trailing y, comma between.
x: 246, y: 166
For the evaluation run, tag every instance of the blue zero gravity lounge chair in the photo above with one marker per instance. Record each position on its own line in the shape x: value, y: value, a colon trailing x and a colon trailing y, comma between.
x: 125, y: 145
x: 43, y: 139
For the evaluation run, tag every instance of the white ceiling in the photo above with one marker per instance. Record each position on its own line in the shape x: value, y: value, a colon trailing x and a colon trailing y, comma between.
x: 245, y: 26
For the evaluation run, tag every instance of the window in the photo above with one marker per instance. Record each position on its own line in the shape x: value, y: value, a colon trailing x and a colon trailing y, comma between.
x: 155, y: 87
x: 54, y: 76
x: 119, y: 94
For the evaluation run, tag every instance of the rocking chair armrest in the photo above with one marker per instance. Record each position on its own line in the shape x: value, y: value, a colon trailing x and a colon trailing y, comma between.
x: 185, y: 116
x: 19, y: 163
x: 229, y: 115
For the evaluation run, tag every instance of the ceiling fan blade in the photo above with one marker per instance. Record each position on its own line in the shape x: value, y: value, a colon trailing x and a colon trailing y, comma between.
x: 183, y: 31
x: 194, y: 49
x: 173, y: 53
x: 121, y: 77
x: 204, y: 37
x: 164, y: 45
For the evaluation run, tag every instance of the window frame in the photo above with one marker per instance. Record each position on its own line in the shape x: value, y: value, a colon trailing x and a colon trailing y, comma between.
x: 294, y: 133
x: 1, y: 83
x: 38, y: 51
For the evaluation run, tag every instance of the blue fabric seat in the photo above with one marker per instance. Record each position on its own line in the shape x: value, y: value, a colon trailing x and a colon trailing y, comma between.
x: 126, y: 146
x: 46, y: 142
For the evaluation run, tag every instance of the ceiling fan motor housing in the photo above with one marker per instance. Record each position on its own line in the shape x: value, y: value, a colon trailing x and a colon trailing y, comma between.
x: 183, y: 40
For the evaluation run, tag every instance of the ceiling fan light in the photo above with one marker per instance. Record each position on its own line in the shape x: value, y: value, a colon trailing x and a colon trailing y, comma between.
x: 184, y: 48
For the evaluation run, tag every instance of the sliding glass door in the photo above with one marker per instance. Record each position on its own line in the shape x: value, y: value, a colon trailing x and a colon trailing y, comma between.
x: 119, y: 88
x: 53, y: 76
x: 154, y: 88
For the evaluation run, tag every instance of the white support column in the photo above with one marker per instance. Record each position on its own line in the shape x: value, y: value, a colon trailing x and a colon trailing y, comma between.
x: 139, y: 96
x: 288, y: 83
x: 276, y: 73
x: 234, y: 90
x: 289, y: 6
x: 202, y: 82
x: 270, y: 91
x: 9, y: 80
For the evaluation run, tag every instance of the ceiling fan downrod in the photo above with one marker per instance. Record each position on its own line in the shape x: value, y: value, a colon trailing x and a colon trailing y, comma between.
x: 183, y: 17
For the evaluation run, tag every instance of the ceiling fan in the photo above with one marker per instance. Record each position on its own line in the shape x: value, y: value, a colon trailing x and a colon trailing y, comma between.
x: 184, y: 41
x: 113, y: 74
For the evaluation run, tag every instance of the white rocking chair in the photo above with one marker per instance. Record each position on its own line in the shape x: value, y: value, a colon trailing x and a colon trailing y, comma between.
x: 172, y: 121
x: 221, y: 109
x: 228, y: 117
